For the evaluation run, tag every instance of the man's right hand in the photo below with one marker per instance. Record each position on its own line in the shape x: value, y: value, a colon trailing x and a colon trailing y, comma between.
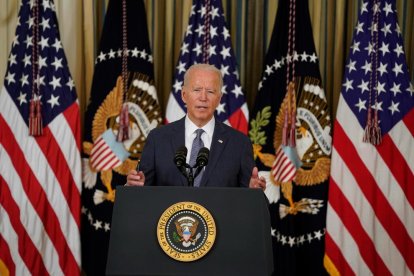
x: 135, y: 178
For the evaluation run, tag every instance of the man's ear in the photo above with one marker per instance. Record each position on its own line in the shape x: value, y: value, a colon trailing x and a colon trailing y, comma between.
x: 183, y: 92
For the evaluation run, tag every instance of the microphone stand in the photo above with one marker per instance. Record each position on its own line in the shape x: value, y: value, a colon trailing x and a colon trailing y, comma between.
x: 190, y: 177
x: 198, y: 170
x: 187, y: 171
x: 191, y: 172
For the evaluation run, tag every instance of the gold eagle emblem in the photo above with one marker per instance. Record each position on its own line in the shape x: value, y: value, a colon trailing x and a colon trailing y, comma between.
x: 144, y: 114
x: 313, y: 141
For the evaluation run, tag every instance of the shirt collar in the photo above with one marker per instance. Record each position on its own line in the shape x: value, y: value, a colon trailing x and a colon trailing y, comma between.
x: 190, y: 127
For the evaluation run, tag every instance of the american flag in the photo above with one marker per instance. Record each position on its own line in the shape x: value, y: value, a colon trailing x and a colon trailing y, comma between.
x: 285, y: 164
x: 40, y: 176
x: 207, y: 40
x: 370, y: 218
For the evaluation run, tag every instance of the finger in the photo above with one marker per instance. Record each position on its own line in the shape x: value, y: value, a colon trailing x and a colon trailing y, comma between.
x: 255, y: 173
x: 141, y: 176
x: 136, y: 180
x: 262, y: 184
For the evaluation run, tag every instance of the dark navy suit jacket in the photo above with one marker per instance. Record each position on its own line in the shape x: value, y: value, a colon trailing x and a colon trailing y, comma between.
x: 230, y: 161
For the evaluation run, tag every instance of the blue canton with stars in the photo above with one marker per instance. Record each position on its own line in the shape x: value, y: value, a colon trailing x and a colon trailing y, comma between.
x: 220, y: 55
x: 56, y: 86
x: 394, y: 91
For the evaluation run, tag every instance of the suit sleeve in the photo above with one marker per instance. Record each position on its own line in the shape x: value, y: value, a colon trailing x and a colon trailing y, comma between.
x: 246, y: 163
x: 147, y: 162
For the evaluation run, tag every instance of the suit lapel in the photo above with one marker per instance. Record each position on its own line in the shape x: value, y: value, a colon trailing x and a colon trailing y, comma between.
x: 218, y: 143
x: 178, y: 140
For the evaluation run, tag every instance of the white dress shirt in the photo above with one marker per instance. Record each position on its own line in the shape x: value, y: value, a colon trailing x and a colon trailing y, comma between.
x: 190, y: 134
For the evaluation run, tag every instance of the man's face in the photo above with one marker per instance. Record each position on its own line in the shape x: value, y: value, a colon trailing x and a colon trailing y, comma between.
x: 202, y: 95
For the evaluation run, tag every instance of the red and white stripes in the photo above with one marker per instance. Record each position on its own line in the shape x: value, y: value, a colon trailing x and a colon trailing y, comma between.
x: 370, y: 219
x: 40, y: 183
x: 283, y: 170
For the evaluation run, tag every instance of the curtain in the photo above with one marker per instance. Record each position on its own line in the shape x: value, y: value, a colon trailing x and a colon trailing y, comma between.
x: 250, y: 23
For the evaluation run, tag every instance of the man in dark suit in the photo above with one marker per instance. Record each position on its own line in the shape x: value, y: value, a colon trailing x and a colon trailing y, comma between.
x: 230, y: 161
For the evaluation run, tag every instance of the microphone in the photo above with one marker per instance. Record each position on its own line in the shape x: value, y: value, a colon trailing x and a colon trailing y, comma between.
x: 202, y: 157
x: 201, y: 160
x: 180, y: 157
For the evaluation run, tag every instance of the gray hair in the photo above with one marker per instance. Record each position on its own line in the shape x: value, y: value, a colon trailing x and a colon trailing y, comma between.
x: 204, y: 67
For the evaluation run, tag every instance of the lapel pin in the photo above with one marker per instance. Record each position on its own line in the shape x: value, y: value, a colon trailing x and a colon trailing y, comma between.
x: 220, y: 141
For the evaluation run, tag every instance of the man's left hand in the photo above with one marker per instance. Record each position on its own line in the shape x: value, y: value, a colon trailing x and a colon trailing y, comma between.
x: 257, y: 182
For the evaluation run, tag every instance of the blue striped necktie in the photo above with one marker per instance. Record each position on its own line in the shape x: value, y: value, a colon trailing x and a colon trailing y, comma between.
x: 195, y: 148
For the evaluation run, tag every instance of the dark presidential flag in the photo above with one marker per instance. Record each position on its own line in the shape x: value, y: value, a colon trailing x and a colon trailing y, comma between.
x: 290, y: 128
x: 207, y: 40
x: 370, y: 217
x: 40, y: 170
x: 124, y: 51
